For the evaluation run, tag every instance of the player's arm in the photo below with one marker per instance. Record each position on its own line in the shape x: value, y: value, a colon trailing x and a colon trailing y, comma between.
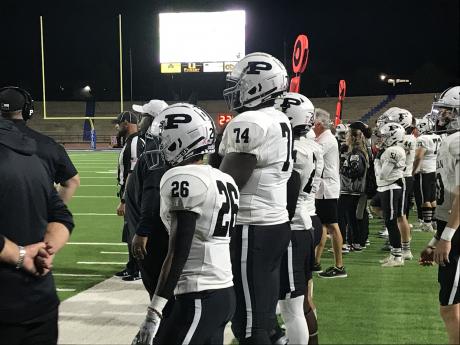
x: 240, y: 166
x: 419, y: 154
x: 293, y: 189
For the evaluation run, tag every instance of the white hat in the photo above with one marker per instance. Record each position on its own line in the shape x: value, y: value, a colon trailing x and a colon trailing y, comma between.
x: 153, y: 108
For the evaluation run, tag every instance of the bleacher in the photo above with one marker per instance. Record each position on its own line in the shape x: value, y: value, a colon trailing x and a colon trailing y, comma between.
x: 70, y: 132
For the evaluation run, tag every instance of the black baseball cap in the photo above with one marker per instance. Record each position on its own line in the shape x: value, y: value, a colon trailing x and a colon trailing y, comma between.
x: 11, y: 100
x: 127, y: 116
x: 362, y: 127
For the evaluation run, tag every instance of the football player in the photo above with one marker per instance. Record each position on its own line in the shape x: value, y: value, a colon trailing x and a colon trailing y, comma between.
x: 298, y: 260
x: 198, y: 206
x: 405, y: 119
x: 444, y: 248
x: 424, y: 169
x: 390, y: 163
x: 257, y: 152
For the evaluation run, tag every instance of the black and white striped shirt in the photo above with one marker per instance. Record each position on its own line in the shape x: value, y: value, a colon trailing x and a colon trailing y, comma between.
x: 127, y: 159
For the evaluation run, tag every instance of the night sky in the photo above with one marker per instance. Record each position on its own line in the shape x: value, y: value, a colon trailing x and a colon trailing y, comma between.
x: 351, y: 40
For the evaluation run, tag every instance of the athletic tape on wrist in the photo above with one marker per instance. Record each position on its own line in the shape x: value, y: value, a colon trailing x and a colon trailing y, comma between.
x: 448, y: 233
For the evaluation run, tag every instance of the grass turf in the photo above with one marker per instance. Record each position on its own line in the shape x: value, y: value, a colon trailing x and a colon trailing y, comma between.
x: 372, y: 306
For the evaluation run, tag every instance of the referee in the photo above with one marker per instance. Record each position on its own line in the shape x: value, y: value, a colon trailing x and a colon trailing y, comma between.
x: 35, y: 224
x: 127, y: 125
x: 17, y: 105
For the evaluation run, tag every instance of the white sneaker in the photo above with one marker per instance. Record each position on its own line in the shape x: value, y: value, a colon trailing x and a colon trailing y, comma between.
x: 394, y: 261
x: 407, y: 255
x: 427, y: 227
x: 385, y: 260
x: 383, y: 233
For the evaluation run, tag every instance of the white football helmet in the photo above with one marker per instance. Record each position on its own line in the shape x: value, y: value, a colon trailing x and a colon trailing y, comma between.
x: 396, y: 115
x: 425, y: 125
x: 390, y: 134
x: 179, y: 132
x: 255, y: 79
x: 299, y: 110
x: 341, y: 132
x: 445, y: 110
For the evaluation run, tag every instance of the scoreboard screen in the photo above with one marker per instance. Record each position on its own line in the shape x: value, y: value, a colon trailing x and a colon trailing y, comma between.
x: 195, y: 42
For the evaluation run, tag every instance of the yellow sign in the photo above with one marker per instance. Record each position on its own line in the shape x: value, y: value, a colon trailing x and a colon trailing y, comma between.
x: 192, y: 67
x: 171, y: 68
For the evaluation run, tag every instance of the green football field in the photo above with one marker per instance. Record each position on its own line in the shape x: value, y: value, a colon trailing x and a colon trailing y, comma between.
x: 372, y: 306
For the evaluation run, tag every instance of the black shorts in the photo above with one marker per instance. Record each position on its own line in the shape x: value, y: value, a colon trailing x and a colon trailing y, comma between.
x: 198, y: 318
x: 375, y: 201
x: 425, y: 185
x: 297, y: 264
x: 318, y: 228
x: 390, y: 203
x: 448, y: 275
x: 326, y: 209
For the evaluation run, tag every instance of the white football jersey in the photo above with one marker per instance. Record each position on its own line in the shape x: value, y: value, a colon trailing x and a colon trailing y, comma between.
x: 431, y: 143
x: 447, y: 175
x: 213, y: 196
x: 265, y: 133
x: 318, y: 166
x: 304, y: 164
x: 396, y: 157
x: 409, y: 146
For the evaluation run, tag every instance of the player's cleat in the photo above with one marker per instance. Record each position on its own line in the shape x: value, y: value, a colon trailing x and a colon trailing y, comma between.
x: 132, y: 277
x: 368, y: 243
x: 393, y: 261
x: 383, y: 233
x: 333, y: 272
x: 123, y: 273
x: 357, y: 247
x: 407, y: 255
x: 427, y: 227
x: 317, y: 268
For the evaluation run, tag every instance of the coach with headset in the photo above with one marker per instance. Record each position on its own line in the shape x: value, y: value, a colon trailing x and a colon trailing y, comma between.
x: 17, y: 105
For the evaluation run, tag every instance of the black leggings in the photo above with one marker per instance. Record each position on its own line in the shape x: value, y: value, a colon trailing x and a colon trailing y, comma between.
x: 348, y: 205
x: 390, y: 200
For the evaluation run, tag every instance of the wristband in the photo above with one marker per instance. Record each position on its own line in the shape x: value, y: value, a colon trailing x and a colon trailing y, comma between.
x: 447, y: 234
x: 22, y: 254
x: 157, y: 305
x: 433, y: 242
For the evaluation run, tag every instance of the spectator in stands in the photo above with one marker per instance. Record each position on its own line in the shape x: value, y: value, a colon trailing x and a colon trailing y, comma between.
x: 134, y: 146
x: 17, y: 105
x: 353, y: 173
x: 328, y: 193
x: 35, y: 224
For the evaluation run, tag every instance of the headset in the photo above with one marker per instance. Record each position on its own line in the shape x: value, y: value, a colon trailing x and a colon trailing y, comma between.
x: 28, y: 107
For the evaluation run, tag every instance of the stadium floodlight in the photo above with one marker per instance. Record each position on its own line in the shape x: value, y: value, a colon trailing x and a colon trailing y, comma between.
x: 383, y: 76
x: 87, y: 88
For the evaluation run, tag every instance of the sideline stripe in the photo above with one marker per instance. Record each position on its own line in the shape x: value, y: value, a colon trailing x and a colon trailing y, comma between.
x: 100, y: 263
x: 94, y: 214
x: 95, y: 196
x: 65, y: 290
x: 124, y: 253
x: 98, y: 243
x: 76, y: 275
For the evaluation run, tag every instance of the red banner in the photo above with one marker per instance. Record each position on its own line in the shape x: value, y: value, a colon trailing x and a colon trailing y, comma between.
x: 338, y: 109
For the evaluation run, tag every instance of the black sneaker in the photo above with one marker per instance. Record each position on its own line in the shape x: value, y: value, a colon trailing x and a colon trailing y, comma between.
x: 132, y: 277
x: 334, y: 272
x: 317, y: 268
x: 123, y: 273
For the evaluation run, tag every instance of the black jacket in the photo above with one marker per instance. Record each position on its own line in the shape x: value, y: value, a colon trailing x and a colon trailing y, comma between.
x: 353, y: 173
x: 28, y: 202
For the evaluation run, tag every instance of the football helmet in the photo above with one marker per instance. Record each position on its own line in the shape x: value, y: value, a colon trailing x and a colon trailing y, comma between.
x: 255, y: 79
x: 341, y: 132
x: 425, y: 125
x: 390, y: 134
x: 396, y: 115
x: 179, y: 132
x: 299, y: 110
x: 445, y: 110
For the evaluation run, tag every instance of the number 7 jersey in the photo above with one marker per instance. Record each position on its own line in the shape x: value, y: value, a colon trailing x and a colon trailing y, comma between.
x: 266, y: 134
x: 213, y: 196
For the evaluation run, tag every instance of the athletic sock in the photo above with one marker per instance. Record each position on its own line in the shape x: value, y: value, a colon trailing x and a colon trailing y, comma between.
x: 406, y: 246
x: 396, y: 252
x: 294, y: 320
x: 427, y: 214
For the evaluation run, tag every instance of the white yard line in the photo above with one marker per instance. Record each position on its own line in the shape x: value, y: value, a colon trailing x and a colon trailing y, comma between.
x: 98, y: 243
x: 64, y: 290
x: 76, y: 275
x: 97, y: 185
x: 123, y: 253
x: 94, y: 214
x: 96, y: 177
x: 95, y: 196
x: 100, y: 263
